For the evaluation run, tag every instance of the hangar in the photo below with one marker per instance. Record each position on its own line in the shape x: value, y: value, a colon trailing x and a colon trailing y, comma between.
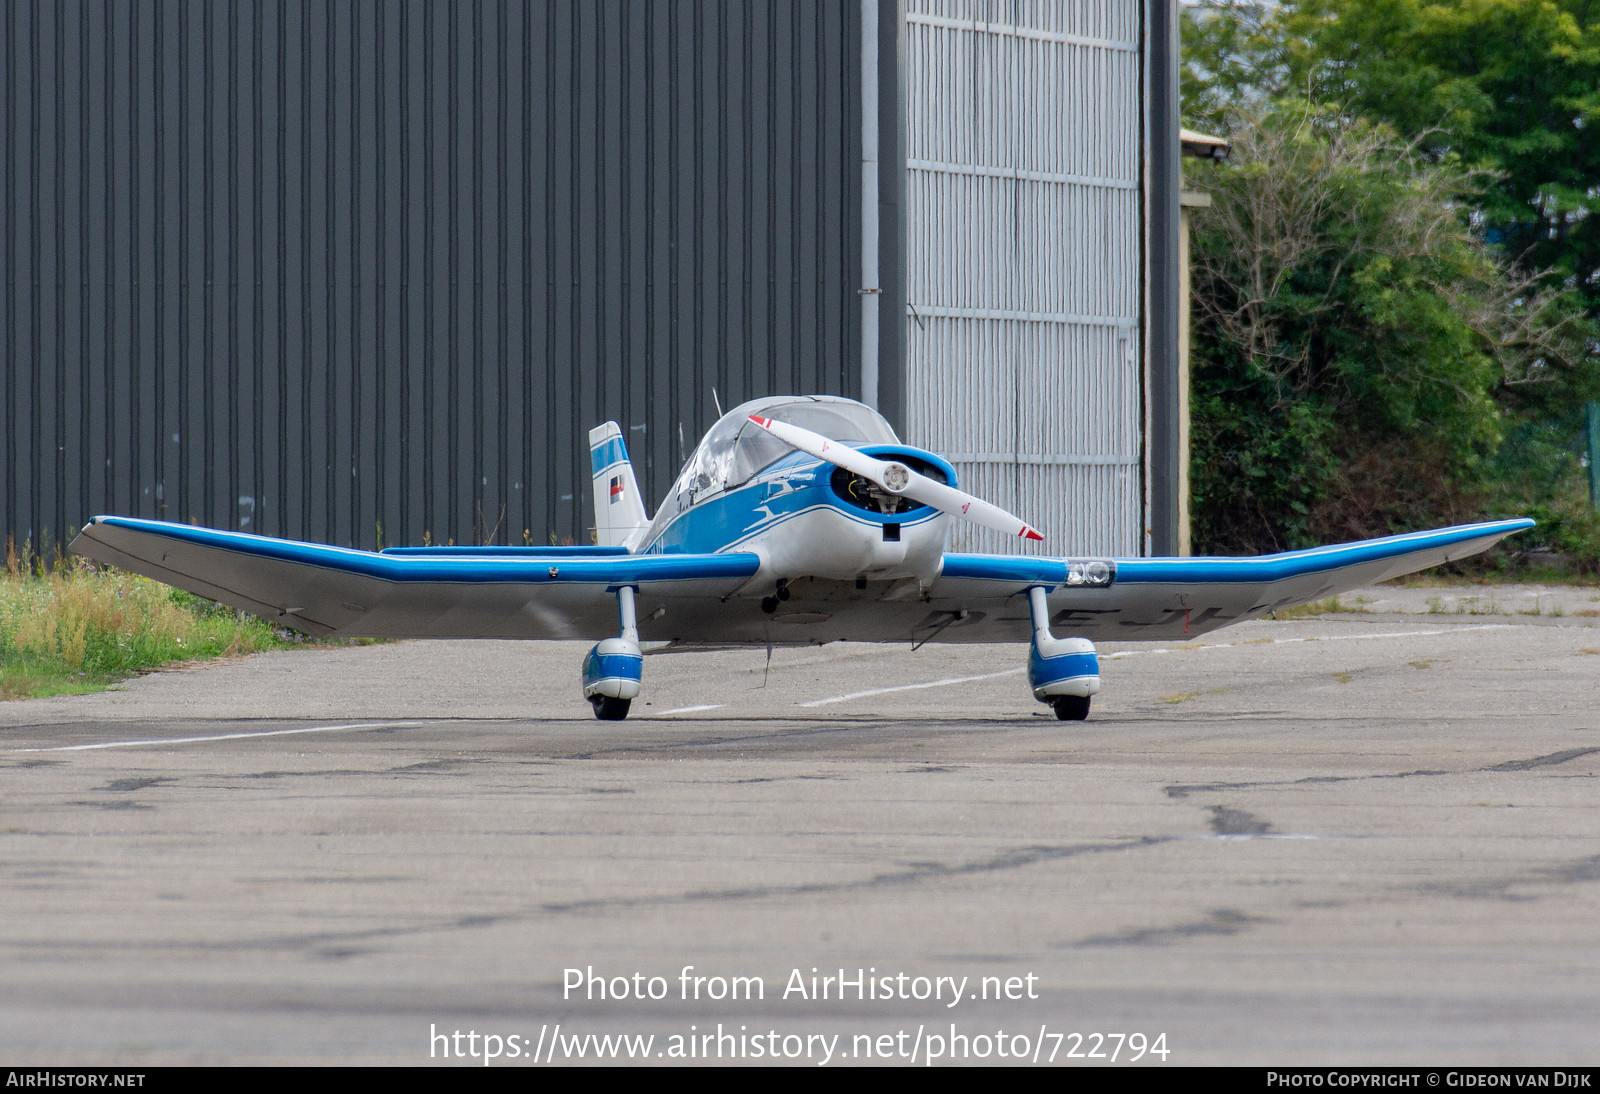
x: 366, y: 273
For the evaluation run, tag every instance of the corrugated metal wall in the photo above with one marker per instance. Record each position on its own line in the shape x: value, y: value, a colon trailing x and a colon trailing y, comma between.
x: 1023, y: 245
x: 316, y: 269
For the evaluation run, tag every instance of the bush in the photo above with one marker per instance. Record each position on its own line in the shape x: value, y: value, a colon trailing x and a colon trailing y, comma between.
x: 1358, y: 355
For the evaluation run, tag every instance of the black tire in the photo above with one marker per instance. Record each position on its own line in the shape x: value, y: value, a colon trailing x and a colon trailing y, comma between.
x: 608, y: 709
x: 1071, y: 708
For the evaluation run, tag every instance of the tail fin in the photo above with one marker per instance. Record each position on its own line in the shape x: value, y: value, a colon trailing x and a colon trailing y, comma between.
x: 619, y: 516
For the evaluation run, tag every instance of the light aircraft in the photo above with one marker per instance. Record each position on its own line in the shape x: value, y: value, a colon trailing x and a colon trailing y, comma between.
x: 797, y: 520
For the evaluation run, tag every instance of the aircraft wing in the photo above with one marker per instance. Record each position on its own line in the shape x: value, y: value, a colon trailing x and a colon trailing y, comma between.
x: 564, y: 593
x: 1176, y: 597
x: 441, y: 592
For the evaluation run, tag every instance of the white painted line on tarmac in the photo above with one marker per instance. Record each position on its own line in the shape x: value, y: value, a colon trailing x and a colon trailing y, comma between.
x: 218, y: 737
x: 1161, y: 649
x: 1313, y: 638
x: 913, y: 687
x: 684, y: 710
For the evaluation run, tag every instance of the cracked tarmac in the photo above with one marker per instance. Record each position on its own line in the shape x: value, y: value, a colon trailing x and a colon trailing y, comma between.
x: 1350, y: 839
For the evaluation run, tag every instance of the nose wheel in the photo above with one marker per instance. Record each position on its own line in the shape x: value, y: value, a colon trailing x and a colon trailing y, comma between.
x: 608, y: 709
x: 1068, y: 708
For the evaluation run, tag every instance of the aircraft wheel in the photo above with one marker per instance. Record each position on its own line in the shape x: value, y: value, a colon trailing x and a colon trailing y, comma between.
x: 1071, y: 708
x: 608, y: 709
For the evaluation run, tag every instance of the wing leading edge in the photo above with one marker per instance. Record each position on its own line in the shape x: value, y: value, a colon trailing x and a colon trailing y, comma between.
x: 448, y: 593
x: 1154, y: 598
x: 565, y: 592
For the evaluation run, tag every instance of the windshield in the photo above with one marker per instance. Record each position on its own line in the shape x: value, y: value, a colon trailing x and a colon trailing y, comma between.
x: 737, y: 448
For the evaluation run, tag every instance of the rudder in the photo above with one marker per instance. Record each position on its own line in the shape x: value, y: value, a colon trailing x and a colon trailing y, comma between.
x: 619, y: 516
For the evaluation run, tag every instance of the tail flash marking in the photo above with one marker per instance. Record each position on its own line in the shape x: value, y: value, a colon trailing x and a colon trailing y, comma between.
x: 619, y: 516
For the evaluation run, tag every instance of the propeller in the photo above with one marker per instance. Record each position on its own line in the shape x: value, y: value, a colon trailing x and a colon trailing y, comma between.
x: 897, y: 478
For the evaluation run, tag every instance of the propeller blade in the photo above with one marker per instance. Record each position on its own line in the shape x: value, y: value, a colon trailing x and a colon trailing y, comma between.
x: 897, y: 478
x: 959, y: 503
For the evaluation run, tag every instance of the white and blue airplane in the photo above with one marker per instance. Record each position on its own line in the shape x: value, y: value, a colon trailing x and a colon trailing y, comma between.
x: 798, y: 520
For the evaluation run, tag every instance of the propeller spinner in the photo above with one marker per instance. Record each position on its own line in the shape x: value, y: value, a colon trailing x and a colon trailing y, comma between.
x: 897, y: 478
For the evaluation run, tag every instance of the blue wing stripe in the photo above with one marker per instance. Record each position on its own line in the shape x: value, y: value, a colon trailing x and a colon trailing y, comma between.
x: 1265, y: 568
x: 550, y: 554
x: 1259, y: 569
x: 1022, y: 569
x: 477, y: 569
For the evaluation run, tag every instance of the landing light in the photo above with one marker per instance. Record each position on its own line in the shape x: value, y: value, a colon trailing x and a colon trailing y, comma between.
x: 1092, y: 572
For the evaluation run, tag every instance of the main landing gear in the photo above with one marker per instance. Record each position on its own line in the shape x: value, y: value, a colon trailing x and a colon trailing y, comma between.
x: 1064, y: 672
x: 613, y: 669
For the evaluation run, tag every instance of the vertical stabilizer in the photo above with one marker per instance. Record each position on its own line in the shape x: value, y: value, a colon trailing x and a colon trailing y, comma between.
x: 619, y: 516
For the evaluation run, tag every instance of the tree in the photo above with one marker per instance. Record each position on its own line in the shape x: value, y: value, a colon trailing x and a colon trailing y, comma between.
x: 1396, y: 305
x: 1351, y: 335
x: 1508, y: 86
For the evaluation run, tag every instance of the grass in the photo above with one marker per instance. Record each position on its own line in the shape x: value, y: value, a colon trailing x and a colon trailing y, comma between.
x: 74, y: 627
x: 1473, y: 605
x: 1320, y: 607
x: 1467, y: 605
x: 1186, y: 696
x: 1526, y: 574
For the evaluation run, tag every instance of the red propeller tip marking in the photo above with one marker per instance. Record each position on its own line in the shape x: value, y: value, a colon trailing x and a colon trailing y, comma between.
x: 762, y: 422
x: 1031, y: 534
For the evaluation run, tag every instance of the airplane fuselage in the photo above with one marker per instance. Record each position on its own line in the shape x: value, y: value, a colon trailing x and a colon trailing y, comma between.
x: 801, y: 522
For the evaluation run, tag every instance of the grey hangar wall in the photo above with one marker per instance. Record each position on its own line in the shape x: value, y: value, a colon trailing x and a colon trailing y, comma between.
x: 367, y: 271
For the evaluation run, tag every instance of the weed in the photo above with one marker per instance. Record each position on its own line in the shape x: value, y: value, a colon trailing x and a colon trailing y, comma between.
x: 1185, y: 696
x: 1466, y: 605
x: 1316, y: 607
x: 75, y: 627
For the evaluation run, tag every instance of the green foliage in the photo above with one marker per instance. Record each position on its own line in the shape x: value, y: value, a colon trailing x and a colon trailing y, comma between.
x: 1513, y: 85
x: 79, y: 628
x: 1509, y: 86
x: 1380, y: 329
x: 1349, y: 336
x: 1539, y: 472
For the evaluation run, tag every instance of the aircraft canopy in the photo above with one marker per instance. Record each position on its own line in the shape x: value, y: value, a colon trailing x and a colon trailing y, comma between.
x: 736, y: 448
